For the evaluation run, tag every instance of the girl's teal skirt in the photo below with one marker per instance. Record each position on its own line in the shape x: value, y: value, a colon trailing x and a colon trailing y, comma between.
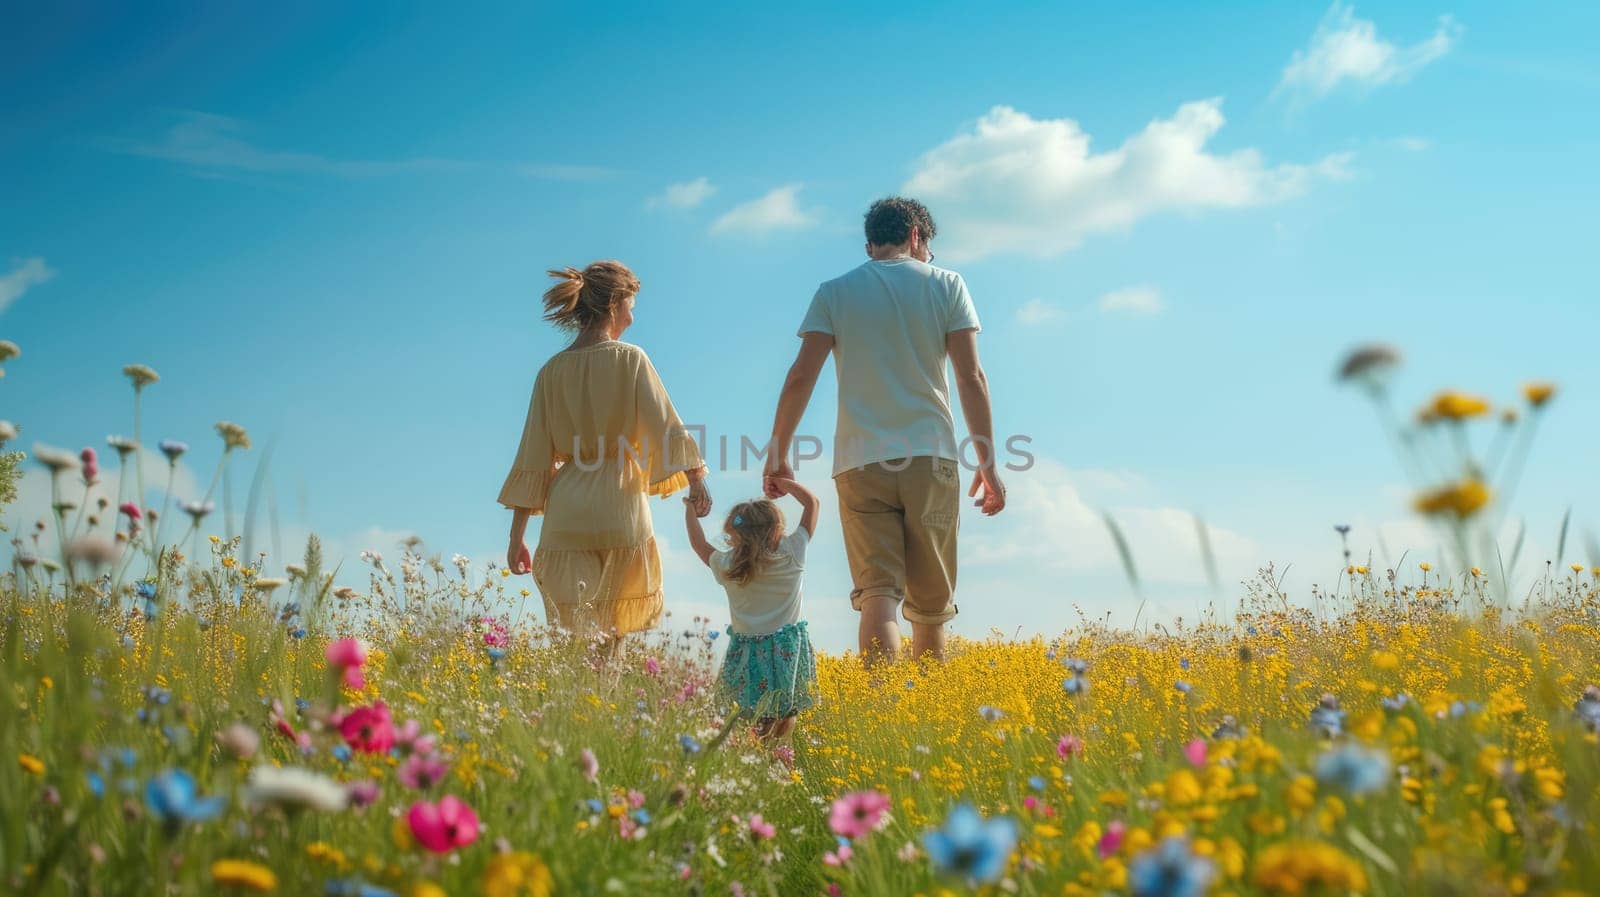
x: 769, y: 676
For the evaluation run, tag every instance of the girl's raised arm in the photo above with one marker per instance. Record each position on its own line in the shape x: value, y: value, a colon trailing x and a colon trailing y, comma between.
x: 810, y: 505
x: 697, y: 535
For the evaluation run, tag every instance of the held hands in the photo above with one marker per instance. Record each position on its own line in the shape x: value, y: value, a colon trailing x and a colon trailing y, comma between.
x: 518, y: 561
x: 993, y: 500
x: 776, y: 486
x: 777, y: 469
x: 698, y: 501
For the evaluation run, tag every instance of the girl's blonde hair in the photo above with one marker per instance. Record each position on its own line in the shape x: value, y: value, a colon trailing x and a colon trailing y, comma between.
x: 753, y: 529
x: 581, y: 298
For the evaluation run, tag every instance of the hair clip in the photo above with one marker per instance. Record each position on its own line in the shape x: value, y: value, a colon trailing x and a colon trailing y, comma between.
x: 738, y: 520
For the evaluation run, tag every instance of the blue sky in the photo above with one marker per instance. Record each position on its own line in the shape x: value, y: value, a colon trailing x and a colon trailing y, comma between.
x: 332, y: 227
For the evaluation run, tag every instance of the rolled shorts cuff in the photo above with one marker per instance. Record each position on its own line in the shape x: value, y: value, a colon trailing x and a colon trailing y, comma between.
x: 860, y: 597
x: 944, y: 616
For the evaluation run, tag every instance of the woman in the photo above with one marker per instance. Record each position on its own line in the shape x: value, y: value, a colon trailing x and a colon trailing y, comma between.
x: 601, y: 436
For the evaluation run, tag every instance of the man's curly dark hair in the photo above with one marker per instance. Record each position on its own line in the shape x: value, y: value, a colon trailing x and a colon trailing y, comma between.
x: 890, y: 220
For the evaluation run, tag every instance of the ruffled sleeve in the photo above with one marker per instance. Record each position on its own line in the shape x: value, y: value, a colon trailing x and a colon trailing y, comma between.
x: 528, y: 483
x: 665, y: 445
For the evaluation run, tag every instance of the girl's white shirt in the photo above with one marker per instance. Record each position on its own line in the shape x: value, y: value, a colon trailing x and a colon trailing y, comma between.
x: 771, y: 599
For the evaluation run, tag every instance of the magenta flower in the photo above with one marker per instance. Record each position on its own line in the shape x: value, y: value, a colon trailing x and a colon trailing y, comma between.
x: 130, y: 510
x: 363, y: 793
x: 495, y: 634
x: 444, y: 826
x: 347, y: 656
x: 1195, y: 752
x: 1111, y: 841
x: 837, y: 858
x: 760, y: 829
x: 368, y: 729
x: 589, y: 763
x: 91, y: 465
x: 409, y: 738
x: 858, y: 813
x: 422, y: 772
x: 1069, y: 746
x: 652, y: 666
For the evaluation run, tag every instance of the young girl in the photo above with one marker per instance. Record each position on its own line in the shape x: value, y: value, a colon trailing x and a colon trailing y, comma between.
x: 769, y: 669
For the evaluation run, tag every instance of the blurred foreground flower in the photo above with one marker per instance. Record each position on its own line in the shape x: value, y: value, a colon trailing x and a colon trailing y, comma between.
x: 858, y: 814
x: 174, y: 798
x: 243, y: 874
x: 1170, y: 869
x: 517, y: 874
x: 444, y: 826
x: 142, y: 375
x: 969, y: 846
x: 293, y: 788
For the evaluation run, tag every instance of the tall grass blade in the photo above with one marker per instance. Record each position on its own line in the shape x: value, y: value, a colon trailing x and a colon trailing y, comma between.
x: 1129, y: 568
x: 252, y: 503
x: 1203, y: 533
x: 1593, y: 547
x: 1516, y: 547
x: 1561, y: 540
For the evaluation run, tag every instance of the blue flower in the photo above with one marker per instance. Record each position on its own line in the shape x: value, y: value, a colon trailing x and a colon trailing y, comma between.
x: 1036, y: 783
x: 713, y: 634
x: 341, y: 752
x: 1588, y: 708
x: 299, y: 632
x: 970, y: 846
x: 173, y: 798
x: 1075, y: 685
x: 145, y: 590
x: 1170, y: 869
x: 1327, y: 718
x: 1397, y: 703
x: 594, y: 805
x: 641, y: 816
x: 355, y: 887
x: 992, y: 714
x: 97, y: 785
x: 1076, y: 665
x: 1184, y: 664
x: 495, y: 654
x: 689, y: 743
x: 1183, y: 686
x: 1353, y: 769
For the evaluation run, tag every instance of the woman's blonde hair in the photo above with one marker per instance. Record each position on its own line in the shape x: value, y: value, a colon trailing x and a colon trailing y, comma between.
x: 753, y: 529
x: 581, y: 298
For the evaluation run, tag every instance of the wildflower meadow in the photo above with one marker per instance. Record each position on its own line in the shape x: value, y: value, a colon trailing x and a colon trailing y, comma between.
x: 181, y: 717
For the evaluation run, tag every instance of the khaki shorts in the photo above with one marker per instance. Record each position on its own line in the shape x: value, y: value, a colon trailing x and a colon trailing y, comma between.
x: 900, y: 534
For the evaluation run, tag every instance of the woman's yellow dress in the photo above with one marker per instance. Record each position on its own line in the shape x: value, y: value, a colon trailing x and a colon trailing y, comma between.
x: 601, y: 436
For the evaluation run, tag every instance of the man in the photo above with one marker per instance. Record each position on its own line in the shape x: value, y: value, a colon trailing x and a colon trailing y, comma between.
x: 890, y: 325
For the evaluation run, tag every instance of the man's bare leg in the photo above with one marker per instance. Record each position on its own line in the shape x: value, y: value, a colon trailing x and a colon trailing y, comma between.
x: 880, y: 632
x: 927, y: 640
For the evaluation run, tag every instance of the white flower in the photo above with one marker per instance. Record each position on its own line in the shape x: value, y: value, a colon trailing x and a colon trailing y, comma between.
x: 57, y: 460
x: 8, y: 431
x: 267, y: 583
x: 293, y: 787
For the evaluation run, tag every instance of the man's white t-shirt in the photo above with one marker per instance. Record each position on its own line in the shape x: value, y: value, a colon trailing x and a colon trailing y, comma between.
x: 889, y: 320
x: 771, y: 599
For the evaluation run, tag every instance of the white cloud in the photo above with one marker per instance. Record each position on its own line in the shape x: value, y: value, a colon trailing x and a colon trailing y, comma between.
x: 685, y: 195
x: 215, y: 143
x: 1049, y: 526
x: 778, y: 210
x: 28, y: 273
x: 1037, y: 311
x: 1015, y: 183
x: 1347, y: 50
x: 1138, y: 300
x: 1413, y: 144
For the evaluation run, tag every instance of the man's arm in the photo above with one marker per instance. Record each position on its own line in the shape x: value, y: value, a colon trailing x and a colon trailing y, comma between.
x: 973, y: 387
x: 697, y: 535
x: 792, y: 401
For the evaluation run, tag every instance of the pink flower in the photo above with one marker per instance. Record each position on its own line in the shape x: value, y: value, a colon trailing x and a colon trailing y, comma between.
x: 91, y: 465
x: 1195, y: 751
x: 838, y: 857
x: 362, y: 794
x: 494, y: 633
x: 1030, y: 803
x: 635, y: 799
x: 422, y: 772
x: 858, y: 813
x: 348, y: 656
x: 1111, y: 841
x: 589, y: 763
x: 760, y: 829
x: 368, y: 729
x: 130, y: 509
x: 444, y: 826
x: 409, y: 738
x: 1069, y: 746
x: 652, y: 666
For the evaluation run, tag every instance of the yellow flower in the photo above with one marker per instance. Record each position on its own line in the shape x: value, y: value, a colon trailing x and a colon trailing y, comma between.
x: 516, y: 874
x: 1462, y: 499
x: 30, y: 763
x: 1451, y: 405
x: 1538, y: 393
x: 1307, y: 867
x: 425, y: 889
x: 243, y: 874
x: 1425, y: 566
